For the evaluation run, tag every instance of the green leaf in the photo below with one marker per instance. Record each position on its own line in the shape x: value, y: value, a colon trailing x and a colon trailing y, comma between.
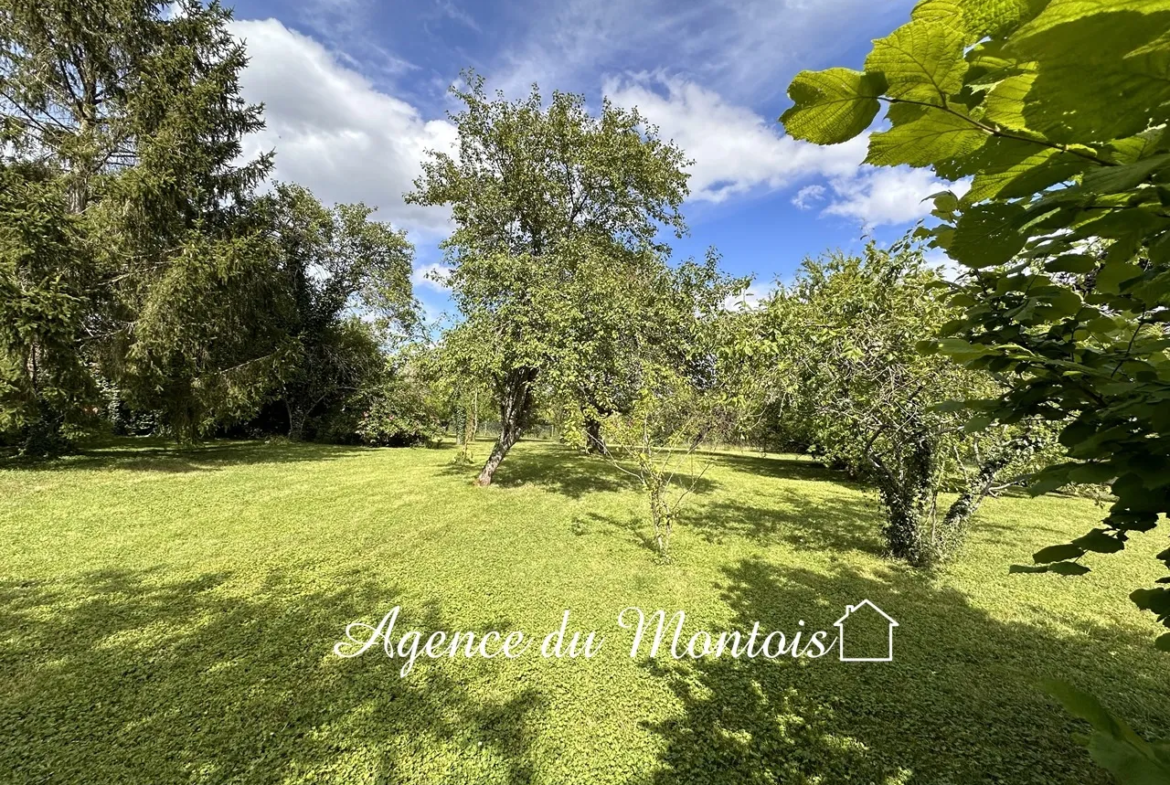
x: 1057, y: 13
x: 1135, y: 148
x: 1163, y: 642
x: 1113, y: 745
x: 832, y: 106
x: 986, y: 236
x: 921, y: 61
x: 977, y: 423
x: 1047, y: 481
x: 1057, y: 553
x: 1083, y: 706
x: 1087, y: 89
x: 945, y: 201
x: 1114, y: 274
x: 1090, y: 473
x: 977, y: 18
x: 933, y: 137
x: 1011, y: 168
x: 1004, y: 105
x: 1071, y: 263
x: 927, y: 347
x: 1061, y: 303
x: 1116, y: 179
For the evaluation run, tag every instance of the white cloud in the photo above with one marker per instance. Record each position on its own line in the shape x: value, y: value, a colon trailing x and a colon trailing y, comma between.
x: 806, y: 196
x: 431, y: 276
x: 886, y: 196
x: 735, y: 150
x: 333, y: 131
x: 346, y: 140
x: 452, y: 11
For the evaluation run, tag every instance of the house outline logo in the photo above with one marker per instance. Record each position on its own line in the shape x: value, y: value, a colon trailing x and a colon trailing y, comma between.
x: 840, y: 625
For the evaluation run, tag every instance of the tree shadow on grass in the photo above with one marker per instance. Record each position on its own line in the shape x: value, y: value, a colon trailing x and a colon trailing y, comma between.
x: 126, y: 677
x: 564, y: 471
x: 802, y: 503
x: 156, y: 455
x: 782, y: 467
x: 637, y: 528
x: 957, y: 705
x: 838, y: 524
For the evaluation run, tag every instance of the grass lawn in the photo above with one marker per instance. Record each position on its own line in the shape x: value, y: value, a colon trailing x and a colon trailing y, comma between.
x: 168, y: 617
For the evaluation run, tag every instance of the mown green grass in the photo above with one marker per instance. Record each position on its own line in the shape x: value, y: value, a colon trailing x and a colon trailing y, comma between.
x: 168, y: 617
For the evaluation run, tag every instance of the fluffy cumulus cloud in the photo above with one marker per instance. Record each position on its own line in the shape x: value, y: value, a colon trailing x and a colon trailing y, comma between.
x: 735, y: 150
x: 333, y: 132
x: 883, y: 196
x: 339, y: 135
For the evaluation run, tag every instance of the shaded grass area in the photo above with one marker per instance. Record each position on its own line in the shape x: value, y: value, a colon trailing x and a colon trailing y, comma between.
x: 168, y: 616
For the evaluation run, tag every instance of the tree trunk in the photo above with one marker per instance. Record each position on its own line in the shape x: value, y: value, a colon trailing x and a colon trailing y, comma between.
x: 908, y: 516
x: 909, y: 496
x: 499, y: 450
x: 594, y: 442
x: 954, y: 525
x: 515, y: 408
x: 296, y: 421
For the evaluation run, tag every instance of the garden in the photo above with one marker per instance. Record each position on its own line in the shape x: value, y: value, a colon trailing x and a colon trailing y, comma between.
x: 619, y: 514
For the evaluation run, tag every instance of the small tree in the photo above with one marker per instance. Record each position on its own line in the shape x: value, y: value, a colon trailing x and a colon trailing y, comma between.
x: 668, y: 392
x: 657, y: 441
x: 847, y: 377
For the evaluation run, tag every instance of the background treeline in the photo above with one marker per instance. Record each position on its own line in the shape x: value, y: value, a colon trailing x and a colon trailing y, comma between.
x: 146, y: 285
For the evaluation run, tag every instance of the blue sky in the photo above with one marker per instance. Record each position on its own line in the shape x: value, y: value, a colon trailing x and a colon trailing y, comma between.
x: 356, y: 91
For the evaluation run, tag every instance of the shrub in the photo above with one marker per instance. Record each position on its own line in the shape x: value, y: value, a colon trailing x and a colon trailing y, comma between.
x: 392, y: 421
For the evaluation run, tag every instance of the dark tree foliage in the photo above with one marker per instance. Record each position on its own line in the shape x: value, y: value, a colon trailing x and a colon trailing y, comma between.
x: 335, y: 260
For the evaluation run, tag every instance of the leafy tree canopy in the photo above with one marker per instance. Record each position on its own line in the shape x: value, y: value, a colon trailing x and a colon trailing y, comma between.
x: 554, y: 208
x: 334, y: 261
x: 132, y: 111
x: 840, y: 375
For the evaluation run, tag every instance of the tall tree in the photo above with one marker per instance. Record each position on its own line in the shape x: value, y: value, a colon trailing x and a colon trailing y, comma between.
x: 134, y: 107
x: 548, y: 202
x: 1059, y: 110
x: 44, y: 300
